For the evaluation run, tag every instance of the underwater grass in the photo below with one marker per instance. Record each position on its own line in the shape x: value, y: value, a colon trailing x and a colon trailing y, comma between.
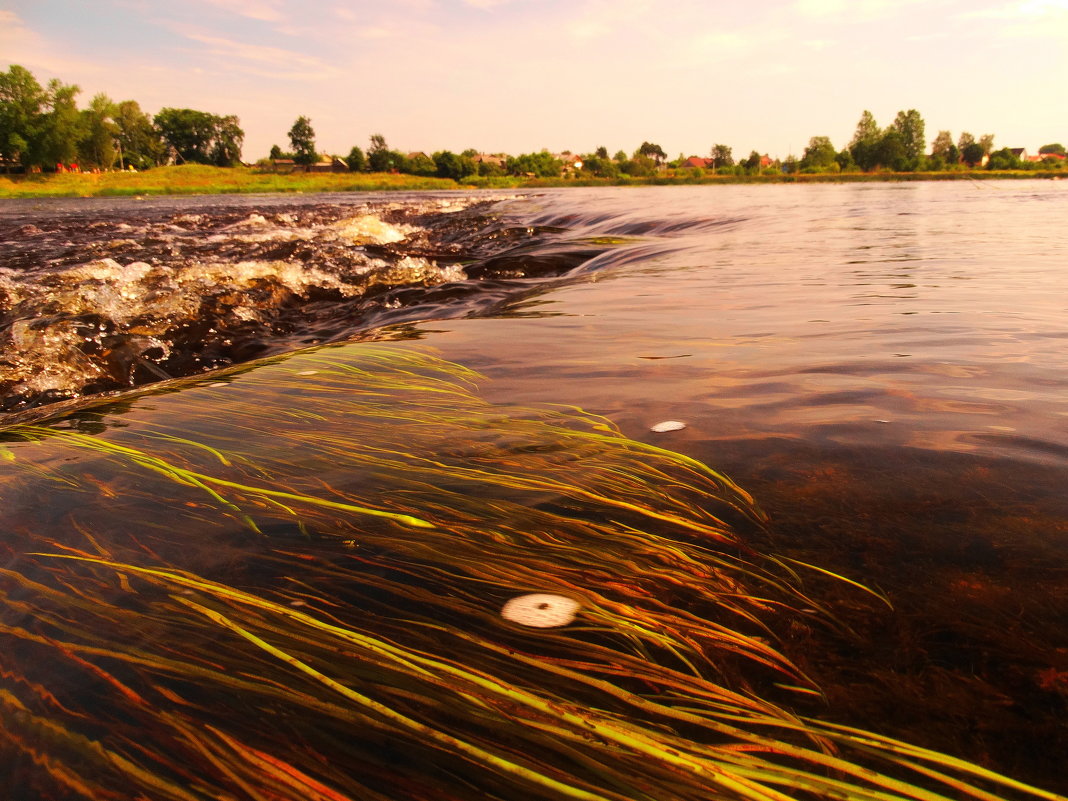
x: 288, y: 587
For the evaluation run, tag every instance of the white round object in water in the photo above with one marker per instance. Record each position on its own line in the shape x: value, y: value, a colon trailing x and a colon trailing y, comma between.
x: 668, y: 425
x: 540, y: 610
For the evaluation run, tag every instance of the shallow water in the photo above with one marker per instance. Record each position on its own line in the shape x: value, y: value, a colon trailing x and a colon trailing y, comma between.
x: 881, y: 366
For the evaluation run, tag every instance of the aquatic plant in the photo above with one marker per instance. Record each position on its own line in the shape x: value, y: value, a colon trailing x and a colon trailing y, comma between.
x: 287, y: 584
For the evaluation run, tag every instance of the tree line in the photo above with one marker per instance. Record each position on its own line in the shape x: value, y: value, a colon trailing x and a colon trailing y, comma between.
x: 901, y: 147
x: 41, y: 127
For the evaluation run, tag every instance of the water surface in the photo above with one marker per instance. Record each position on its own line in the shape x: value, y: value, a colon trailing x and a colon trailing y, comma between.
x: 881, y: 366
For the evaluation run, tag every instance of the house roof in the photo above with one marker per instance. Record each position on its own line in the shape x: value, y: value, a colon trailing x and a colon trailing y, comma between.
x: 695, y: 161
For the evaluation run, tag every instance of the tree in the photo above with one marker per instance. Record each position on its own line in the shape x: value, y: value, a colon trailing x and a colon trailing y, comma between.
x: 721, y: 156
x: 198, y: 137
x: 965, y: 140
x: 941, y: 144
x: 820, y: 155
x: 865, y: 142
x: 910, y: 126
x: 379, y: 157
x: 972, y: 153
x: 619, y: 157
x: 449, y: 165
x: 302, y: 140
x: 890, y: 151
x: 1003, y: 159
x: 601, y: 166
x: 357, y: 160
x: 138, y: 140
x: 97, y: 147
x: 226, y: 144
x: 276, y: 153
x: 1056, y: 148
x: 188, y: 132
x: 601, y: 152
x: 844, y: 160
x: 421, y: 164
x: 542, y: 164
x: 61, y: 126
x: 652, y: 151
x: 21, y: 99
x: 640, y: 166
x: 986, y: 142
x: 752, y: 164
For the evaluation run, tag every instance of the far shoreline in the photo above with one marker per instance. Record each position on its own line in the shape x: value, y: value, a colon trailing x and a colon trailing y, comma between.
x: 201, y: 180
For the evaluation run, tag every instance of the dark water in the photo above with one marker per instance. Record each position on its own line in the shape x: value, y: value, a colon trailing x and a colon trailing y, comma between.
x: 882, y: 366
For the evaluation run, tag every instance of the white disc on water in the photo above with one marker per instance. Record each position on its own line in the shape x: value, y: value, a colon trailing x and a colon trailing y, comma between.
x: 668, y: 425
x: 540, y: 610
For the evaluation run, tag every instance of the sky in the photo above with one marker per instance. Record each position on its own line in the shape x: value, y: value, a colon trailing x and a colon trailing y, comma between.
x: 519, y: 76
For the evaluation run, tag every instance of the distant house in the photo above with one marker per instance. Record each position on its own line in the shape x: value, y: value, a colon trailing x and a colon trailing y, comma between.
x: 1019, y: 152
x: 696, y: 161
x: 418, y: 154
x: 328, y: 164
x: 1044, y: 156
x: 766, y: 161
x: 283, y: 165
x: 570, y: 160
x: 496, y: 159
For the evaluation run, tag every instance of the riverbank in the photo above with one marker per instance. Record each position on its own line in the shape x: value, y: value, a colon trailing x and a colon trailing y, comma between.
x: 203, y: 180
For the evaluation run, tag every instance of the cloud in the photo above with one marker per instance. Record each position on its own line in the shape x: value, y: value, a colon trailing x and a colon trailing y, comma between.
x: 1026, y: 18
x: 250, y: 58
x: 263, y: 10
x: 849, y: 11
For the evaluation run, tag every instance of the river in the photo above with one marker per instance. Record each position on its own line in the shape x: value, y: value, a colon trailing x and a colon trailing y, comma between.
x: 882, y: 367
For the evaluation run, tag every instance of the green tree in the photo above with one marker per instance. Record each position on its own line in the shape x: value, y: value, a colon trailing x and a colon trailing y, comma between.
x: 21, y: 101
x: 1003, y: 159
x: 227, y: 141
x: 965, y: 140
x: 972, y: 153
x: 865, y: 142
x: 639, y: 167
x: 721, y: 156
x: 188, y: 132
x: 890, y: 152
x: 941, y: 144
x: 601, y: 166
x: 424, y: 165
x: 379, y: 157
x: 844, y: 160
x: 910, y: 126
x: 97, y: 147
x: 601, y: 152
x: 542, y: 164
x: 449, y: 165
x: 1056, y: 148
x: 61, y: 128
x: 619, y: 157
x: 137, y: 139
x: 752, y: 163
x: 276, y: 153
x: 986, y: 142
x: 302, y: 140
x: 820, y: 155
x: 652, y: 151
x: 357, y: 160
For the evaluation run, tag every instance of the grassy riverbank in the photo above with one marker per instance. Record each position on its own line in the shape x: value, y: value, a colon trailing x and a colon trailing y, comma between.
x: 201, y: 180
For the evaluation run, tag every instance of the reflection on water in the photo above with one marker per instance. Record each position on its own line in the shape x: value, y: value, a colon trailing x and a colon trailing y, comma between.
x: 881, y: 366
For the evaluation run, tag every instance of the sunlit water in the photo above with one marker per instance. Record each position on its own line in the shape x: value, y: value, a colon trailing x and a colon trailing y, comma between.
x: 882, y: 366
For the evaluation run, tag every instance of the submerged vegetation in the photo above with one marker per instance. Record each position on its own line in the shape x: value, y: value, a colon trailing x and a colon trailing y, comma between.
x: 287, y: 584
